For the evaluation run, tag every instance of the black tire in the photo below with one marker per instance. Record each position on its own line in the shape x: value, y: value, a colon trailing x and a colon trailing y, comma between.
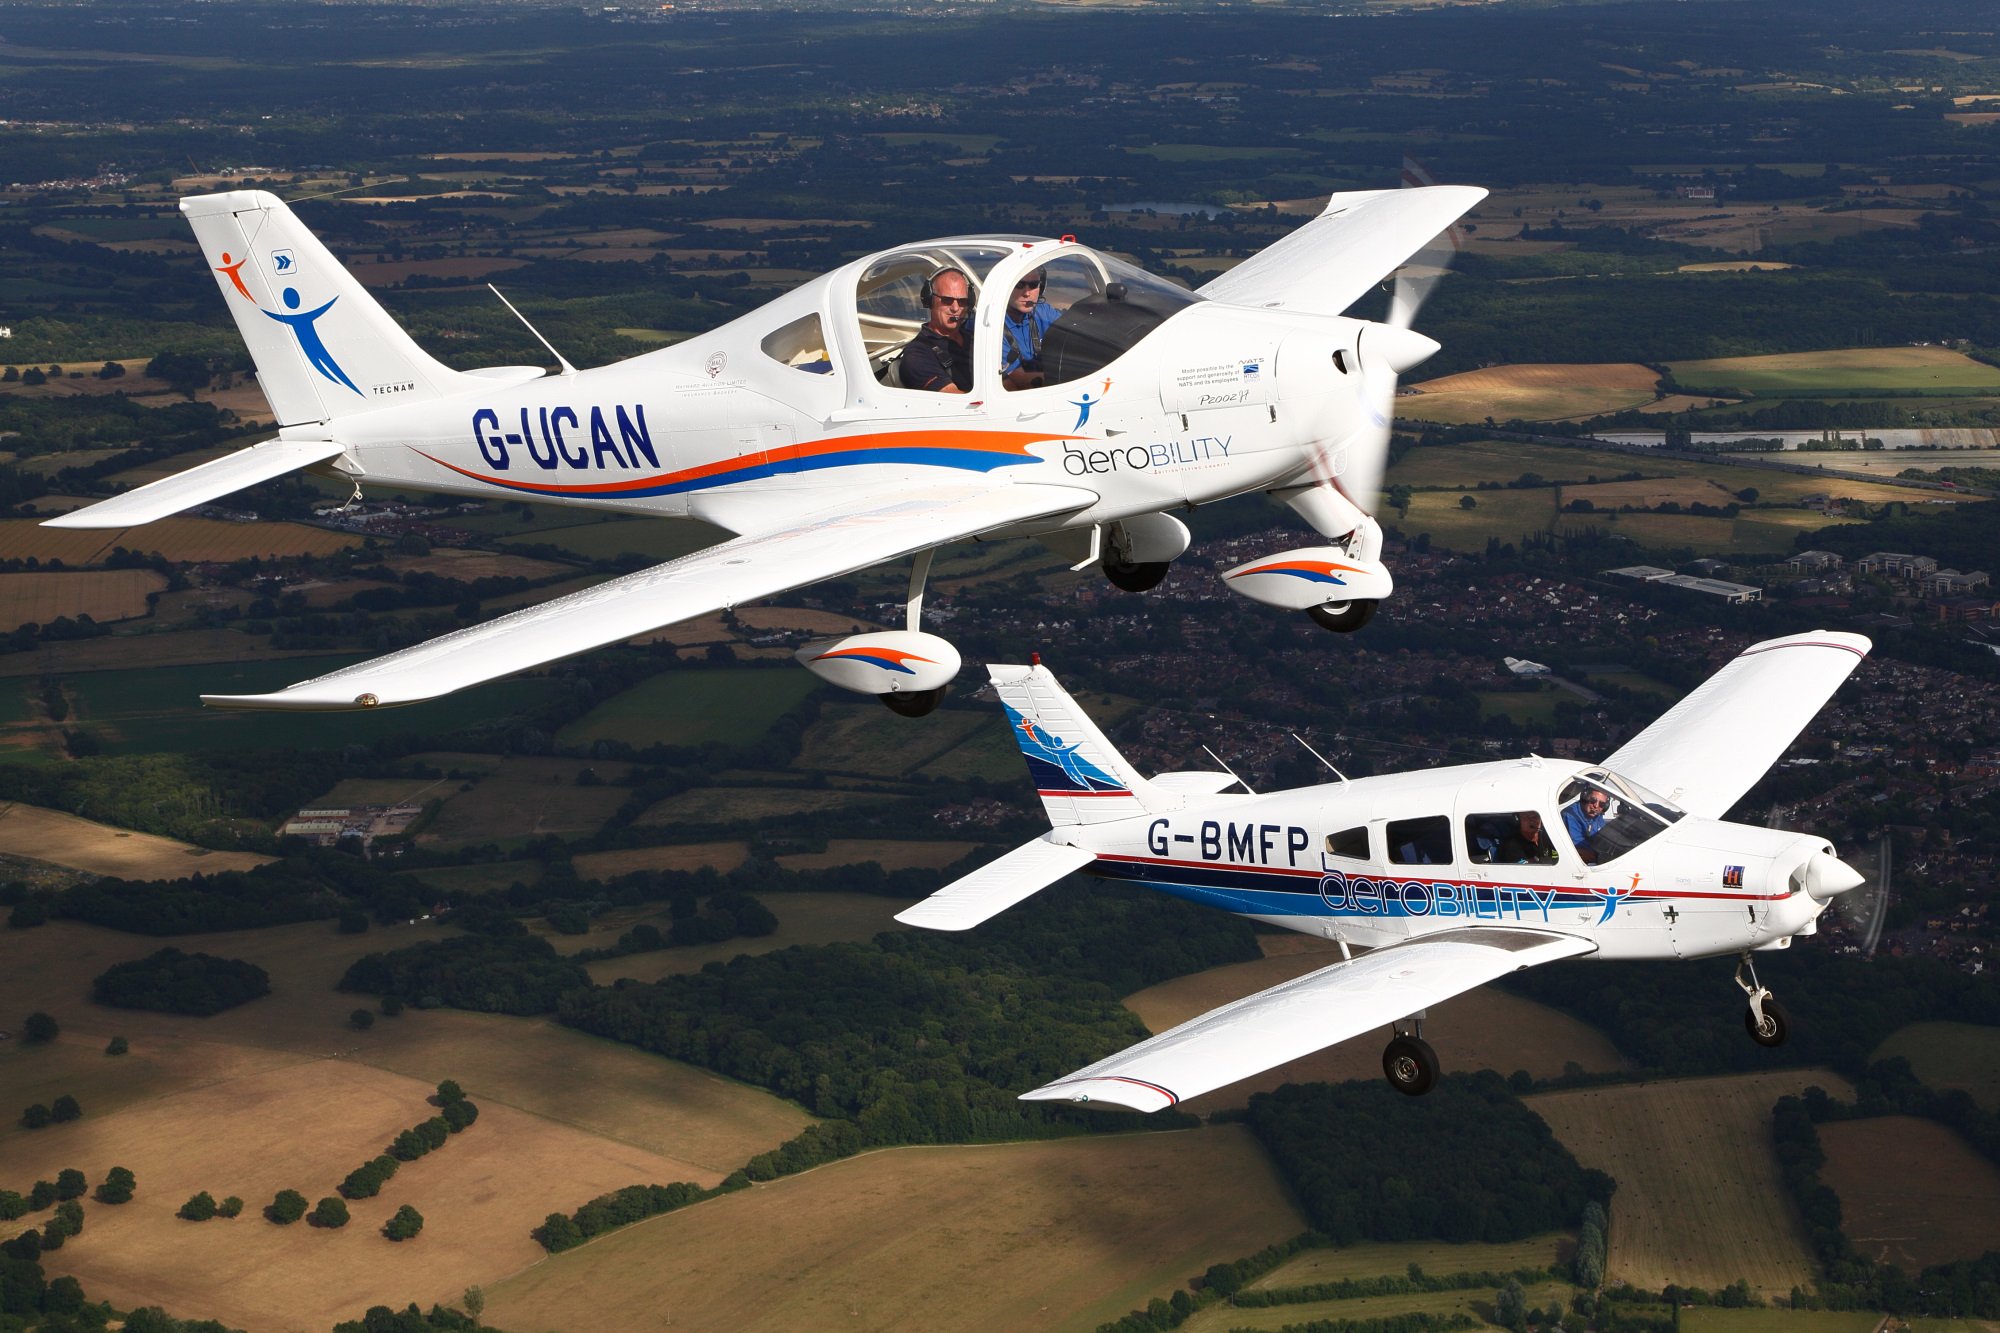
x: 915, y: 703
x: 1343, y: 617
x: 1142, y: 577
x: 1776, y: 1027
x: 1411, y: 1066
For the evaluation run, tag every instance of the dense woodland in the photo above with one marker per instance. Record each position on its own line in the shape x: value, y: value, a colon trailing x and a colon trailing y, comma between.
x: 181, y: 983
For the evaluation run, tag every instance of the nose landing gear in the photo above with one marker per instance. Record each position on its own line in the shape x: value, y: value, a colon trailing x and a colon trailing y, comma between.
x: 1408, y: 1061
x: 1766, y: 1022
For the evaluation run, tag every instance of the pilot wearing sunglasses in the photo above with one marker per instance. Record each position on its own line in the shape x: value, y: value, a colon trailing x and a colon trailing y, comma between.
x: 939, y: 358
x: 1028, y: 318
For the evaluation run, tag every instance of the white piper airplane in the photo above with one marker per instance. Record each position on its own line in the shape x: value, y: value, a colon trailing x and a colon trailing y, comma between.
x: 1437, y: 874
x: 790, y: 427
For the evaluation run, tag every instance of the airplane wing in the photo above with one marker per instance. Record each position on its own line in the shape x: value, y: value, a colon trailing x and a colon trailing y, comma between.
x: 997, y: 886
x: 821, y: 545
x: 199, y: 485
x: 1711, y: 747
x: 1308, y: 1014
x: 1334, y: 260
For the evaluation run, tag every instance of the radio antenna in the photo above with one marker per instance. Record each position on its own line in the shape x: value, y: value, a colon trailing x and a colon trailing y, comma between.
x: 561, y: 360
x: 1227, y: 769
x: 1322, y: 758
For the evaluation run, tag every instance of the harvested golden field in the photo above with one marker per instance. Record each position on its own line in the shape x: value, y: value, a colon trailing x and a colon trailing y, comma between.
x: 722, y: 856
x: 803, y: 918
x: 1532, y: 392
x: 305, y: 1127
x: 1487, y: 1029
x: 178, y: 539
x: 1474, y: 1301
x: 1381, y: 1259
x: 1843, y: 370
x: 1699, y: 1198
x: 102, y: 594
x: 102, y: 849
x: 888, y: 854
x: 1059, y: 1235
x: 1912, y: 1192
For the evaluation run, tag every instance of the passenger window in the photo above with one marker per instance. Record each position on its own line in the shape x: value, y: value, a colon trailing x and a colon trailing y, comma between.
x: 1509, y: 837
x: 1351, y: 843
x: 1090, y: 310
x: 1420, y: 842
x: 801, y: 345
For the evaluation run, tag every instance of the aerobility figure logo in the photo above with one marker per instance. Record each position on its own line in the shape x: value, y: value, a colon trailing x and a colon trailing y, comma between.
x: 1057, y: 768
x: 304, y: 324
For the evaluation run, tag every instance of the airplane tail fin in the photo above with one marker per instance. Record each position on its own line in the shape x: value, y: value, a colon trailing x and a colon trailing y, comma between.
x: 1081, y: 777
x: 324, y: 347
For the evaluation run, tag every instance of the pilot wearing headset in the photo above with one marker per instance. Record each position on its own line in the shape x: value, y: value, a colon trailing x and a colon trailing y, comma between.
x: 939, y: 358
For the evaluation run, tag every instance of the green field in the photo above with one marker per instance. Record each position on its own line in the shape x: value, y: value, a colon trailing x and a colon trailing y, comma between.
x: 989, y: 752
x: 1710, y: 1319
x: 491, y: 877
x: 1951, y: 1055
x: 1532, y: 708
x: 1632, y: 680
x: 855, y: 738
x: 159, y: 708
x: 1507, y: 515
x: 1375, y: 1259
x: 1915, y: 369
x: 693, y: 708
x: 1466, y: 465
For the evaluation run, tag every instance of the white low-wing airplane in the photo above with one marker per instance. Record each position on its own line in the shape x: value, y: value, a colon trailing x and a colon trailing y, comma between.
x: 1448, y: 877
x: 790, y: 428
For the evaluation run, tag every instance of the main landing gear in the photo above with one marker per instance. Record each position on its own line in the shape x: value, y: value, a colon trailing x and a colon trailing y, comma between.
x: 1342, y: 617
x: 1408, y: 1060
x: 1765, y: 1020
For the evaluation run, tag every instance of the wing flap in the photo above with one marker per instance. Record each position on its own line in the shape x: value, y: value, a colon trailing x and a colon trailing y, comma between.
x: 1308, y: 1014
x: 1361, y: 238
x: 198, y: 485
x: 996, y: 886
x: 823, y: 545
x: 1711, y: 747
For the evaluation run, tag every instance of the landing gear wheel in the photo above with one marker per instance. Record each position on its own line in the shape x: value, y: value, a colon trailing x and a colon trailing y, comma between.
x: 1411, y: 1064
x: 1772, y: 1031
x: 1142, y: 577
x: 1343, y: 617
x: 915, y: 703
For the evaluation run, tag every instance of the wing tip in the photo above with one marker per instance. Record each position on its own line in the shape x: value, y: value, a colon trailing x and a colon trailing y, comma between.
x: 1112, y: 1089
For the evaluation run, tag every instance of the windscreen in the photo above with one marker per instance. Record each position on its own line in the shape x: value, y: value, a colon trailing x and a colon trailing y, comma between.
x: 1606, y: 815
x: 1101, y: 308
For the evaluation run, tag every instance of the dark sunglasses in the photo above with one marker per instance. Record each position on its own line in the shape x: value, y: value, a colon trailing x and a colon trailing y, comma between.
x: 950, y: 300
x: 1028, y: 285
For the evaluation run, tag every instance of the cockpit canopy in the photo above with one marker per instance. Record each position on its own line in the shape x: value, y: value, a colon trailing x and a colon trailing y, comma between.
x: 1631, y: 813
x: 1045, y: 312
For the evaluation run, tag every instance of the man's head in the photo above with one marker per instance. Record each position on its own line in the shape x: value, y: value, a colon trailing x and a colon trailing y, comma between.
x: 1531, y: 825
x: 1026, y: 293
x: 950, y: 301
x: 1594, y: 801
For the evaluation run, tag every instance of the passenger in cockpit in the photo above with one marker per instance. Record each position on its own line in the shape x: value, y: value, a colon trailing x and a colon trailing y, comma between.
x: 1528, y: 843
x: 1028, y: 317
x: 939, y: 358
x: 1585, y: 820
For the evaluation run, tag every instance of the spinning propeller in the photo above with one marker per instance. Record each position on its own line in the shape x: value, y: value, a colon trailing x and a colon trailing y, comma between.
x: 1859, y: 904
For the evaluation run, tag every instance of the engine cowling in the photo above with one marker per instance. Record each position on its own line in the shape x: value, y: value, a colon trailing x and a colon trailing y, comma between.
x: 896, y: 661
x: 1314, y: 576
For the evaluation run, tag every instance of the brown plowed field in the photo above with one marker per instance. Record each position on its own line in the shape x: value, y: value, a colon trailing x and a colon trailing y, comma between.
x: 101, y: 594
x: 1912, y: 1192
x: 1699, y: 1199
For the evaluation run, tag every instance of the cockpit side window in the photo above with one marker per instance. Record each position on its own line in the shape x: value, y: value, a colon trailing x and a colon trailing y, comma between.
x: 1509, y: 837
x: 1606, y: 815
x: 1351, y: 843
x: 1425, y: 841
x: 1090, y: 310
x: 888, y: 300
x: 801, y: 345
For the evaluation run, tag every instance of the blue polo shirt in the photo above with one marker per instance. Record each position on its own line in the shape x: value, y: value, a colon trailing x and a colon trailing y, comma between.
x: 1021, y: 336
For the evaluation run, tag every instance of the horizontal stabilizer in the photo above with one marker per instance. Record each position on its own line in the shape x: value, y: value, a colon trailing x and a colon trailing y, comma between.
x: 996, y: 886
x: 1711, y: 747
x: 1338, y: 257
x: 1307, y: 1014
x: 199, y: 485
x: 1196, y: 782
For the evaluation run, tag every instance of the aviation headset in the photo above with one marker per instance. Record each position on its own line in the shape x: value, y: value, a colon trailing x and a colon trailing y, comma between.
x: 924, y: 297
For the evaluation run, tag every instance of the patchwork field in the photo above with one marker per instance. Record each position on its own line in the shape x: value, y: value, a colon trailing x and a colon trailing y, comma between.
x: 850, y: 738
x: 693, y: 707
x: 178, y: 539
x: 1699, y: 1198
x: 103, y: 849
x: 1951, y: 1055
x: 1487, y: 1029
x: 1376, y: 1259
x: 803, y: 918
x: 1913, y: 369
x: 1912, y: 1192
x: 1464, y: 466
x: 1529, y: 392
x: 727, y: 805
x: 1061, y: 1235
x: 523, y: 798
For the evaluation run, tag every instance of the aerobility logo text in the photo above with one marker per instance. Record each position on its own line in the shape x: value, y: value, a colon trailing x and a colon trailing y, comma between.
x: 1082, y: 462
